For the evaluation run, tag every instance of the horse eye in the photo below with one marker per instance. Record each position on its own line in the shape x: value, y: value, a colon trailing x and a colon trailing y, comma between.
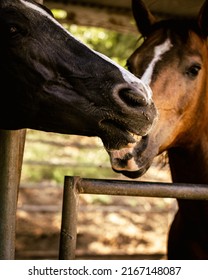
x: 14, y: 31
x: 193, y: 71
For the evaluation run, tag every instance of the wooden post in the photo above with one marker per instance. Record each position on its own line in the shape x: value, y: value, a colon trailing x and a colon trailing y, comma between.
x: 11, y: 156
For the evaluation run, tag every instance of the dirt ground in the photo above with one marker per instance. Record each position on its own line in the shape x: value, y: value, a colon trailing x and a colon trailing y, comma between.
x: 109, y: 227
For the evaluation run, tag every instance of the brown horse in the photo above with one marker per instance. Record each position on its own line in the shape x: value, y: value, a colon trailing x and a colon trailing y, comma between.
x: 173, y: 60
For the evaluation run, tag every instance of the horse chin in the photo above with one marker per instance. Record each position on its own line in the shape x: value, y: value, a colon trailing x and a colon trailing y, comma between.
x: 130, y: 160
x: 133, y: 174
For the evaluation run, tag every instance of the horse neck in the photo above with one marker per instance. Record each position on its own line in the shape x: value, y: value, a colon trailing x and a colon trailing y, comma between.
x: 190, y: 165
x: 192, y: 215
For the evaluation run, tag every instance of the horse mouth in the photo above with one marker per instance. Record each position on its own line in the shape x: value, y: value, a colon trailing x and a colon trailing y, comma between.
x: 119, y: 137
x: 123, y: 158
x: 126, y: 160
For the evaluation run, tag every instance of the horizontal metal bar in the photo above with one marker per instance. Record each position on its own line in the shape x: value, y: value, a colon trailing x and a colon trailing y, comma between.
x: 137, y: 188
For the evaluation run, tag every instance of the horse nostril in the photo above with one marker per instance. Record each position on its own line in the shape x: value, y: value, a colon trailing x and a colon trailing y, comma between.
x: 133, y: 98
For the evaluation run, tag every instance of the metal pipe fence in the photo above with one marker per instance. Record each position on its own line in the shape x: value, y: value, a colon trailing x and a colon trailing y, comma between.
x: 73, y: 186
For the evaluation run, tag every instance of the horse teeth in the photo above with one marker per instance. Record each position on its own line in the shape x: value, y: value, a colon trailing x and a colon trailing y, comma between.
x: 136, y: 137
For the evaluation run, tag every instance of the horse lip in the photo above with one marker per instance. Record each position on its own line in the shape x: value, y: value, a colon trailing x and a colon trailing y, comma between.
x: 130, y: 147
x: 119, y: 131
x: 133, y: 174
x: 124, y: 159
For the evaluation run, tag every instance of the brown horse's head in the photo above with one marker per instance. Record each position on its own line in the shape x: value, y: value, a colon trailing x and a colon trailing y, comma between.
x: 173, y: 60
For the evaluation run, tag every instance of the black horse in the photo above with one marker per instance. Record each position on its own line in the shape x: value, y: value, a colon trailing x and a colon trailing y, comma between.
x: 52, y: 82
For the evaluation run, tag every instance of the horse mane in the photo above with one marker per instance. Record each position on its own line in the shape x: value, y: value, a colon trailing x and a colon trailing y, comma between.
x: 175, y: 28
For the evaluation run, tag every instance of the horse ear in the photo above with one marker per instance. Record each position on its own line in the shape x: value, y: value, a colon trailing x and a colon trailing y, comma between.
x: 202, y: 19
x: 143, y: 17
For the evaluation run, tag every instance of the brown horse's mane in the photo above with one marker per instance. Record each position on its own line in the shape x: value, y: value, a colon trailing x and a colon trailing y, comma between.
x: 176, y: 27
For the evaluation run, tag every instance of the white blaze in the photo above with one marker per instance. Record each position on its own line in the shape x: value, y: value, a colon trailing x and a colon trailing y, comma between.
x: 158, y: 53
x: 128, y: 77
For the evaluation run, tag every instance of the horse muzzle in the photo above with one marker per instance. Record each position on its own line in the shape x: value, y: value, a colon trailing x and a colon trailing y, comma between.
x: 129, y: 160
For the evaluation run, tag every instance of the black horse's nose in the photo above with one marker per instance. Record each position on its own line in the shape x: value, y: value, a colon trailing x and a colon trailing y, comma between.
x: 132, y: 96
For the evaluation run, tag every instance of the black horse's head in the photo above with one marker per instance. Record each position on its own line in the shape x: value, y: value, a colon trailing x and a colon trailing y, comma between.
x: 50, y: 81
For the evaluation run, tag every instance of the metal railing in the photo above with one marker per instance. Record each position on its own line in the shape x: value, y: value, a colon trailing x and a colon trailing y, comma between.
x: 73, y: 186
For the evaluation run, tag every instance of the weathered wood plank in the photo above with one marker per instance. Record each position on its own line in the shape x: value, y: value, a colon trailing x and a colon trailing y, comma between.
x: 117, y: 15
x: 96, y: 16
x: 176, y: 7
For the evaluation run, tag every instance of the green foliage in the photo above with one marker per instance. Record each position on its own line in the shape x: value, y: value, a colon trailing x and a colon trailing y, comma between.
x: 115, y: 45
